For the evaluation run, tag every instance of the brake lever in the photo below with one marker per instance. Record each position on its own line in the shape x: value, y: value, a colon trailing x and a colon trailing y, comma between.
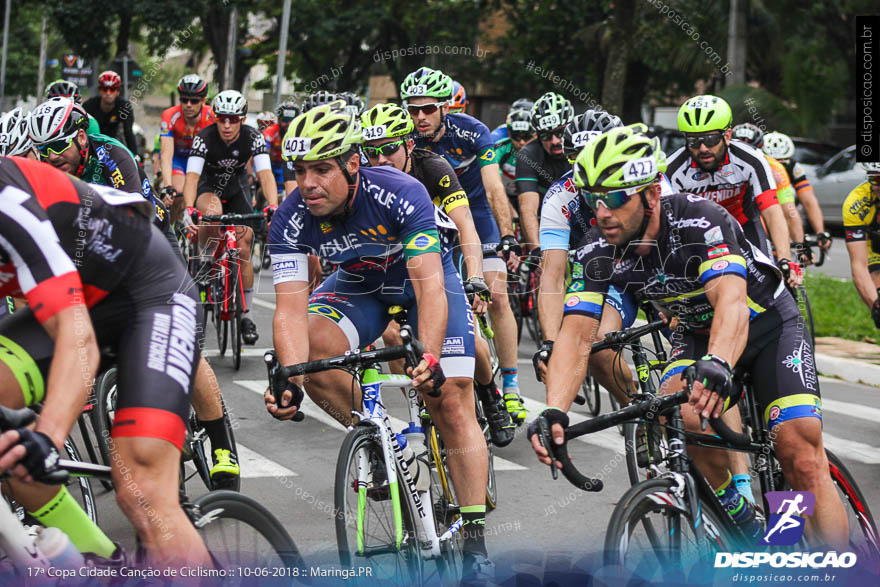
x: 546, y: 440
x: 689, y: 378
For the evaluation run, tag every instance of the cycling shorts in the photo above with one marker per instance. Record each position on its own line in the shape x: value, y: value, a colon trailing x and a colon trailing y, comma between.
x: 235, y: 196
x: 779, y: 356
x: 278, y: 172
x: 361, y: 312
x: 151, y: 322
x: 178, y: 164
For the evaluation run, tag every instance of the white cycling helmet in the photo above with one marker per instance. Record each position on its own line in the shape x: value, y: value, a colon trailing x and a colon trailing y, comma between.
x: 56, y: 119
x: 14, y: 139
x: 871, y: 168
x: 778, y: 145
x: 229, y: 103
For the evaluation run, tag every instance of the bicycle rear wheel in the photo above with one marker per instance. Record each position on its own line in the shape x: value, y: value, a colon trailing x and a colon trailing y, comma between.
x: 590, y: 387
x: 863, y: 537
x: 651, y: 530
x: 240, y: 532
x: 85, y: 497
x: 365, y: 529
x: 445, y: 505
x: 103, y: 413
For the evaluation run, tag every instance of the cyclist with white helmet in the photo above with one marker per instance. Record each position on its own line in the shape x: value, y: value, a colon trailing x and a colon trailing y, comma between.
x: 217, y: 181
x: 861, y: 223
x: 14, y: 139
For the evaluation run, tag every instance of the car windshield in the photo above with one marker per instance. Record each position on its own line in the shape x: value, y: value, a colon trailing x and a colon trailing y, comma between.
x: 844, y: 162
x: 813, y: 153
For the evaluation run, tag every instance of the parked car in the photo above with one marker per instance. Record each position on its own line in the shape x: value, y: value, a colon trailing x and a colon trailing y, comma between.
x: 811, y: 154
x: 833, y: 181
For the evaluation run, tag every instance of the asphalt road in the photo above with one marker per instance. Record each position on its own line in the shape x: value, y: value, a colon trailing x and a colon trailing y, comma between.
x: 289, y: 467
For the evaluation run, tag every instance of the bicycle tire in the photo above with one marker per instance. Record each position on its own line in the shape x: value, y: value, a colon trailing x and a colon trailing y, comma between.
x: 257, y: 248
x: 407, y: 561
x: 85, y: 487
x: 196, y: 441
x: 235, y: 310
x: 86, y: 422
x: 491, y: 484
x: 590, y: 387
x: 614, y: 407
x: 102, y: 415
x: 513, y: 299
x: 653, y: 496
x: 855, y: 500
x: 220, y: 324
x: 445, y: 507
x: 215, y: 507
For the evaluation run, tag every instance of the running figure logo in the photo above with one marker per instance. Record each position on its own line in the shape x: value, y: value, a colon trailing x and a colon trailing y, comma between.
x: 786, y: 526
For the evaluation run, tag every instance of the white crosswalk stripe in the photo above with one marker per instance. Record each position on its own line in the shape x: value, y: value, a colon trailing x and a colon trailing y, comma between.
x: 311, y: 410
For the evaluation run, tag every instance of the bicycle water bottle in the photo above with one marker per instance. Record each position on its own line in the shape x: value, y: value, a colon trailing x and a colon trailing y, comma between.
x: 418, y: 468
x: 58, y: 548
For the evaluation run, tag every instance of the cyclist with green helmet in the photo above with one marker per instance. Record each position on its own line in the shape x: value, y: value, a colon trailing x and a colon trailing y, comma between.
x: 377, y: 224
x: 690, y: 258
x: 735, y: 175
x: 387, y: 141
x: 465, y: 143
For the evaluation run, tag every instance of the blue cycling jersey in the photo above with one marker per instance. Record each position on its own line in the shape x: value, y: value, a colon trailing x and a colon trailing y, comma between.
x: 500, y: 132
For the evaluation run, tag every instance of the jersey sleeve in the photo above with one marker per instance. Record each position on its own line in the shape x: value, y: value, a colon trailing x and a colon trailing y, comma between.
x: 555, y: 228
x: 46, y: 274
x: 165, y: 125
x: 784, y: 191
x: 445, y: 190
x: 288, y: 253
x: 484, y: 146
x: 414, y: 218
x: 121, y: 167
x: 858, y: 211
x: 761, y: 182
x: 197, y: 155
x: 526, y: 174
x: 799, y: 178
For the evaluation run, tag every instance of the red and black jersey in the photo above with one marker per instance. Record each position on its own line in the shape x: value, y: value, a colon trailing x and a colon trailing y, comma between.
x: 64, y: 242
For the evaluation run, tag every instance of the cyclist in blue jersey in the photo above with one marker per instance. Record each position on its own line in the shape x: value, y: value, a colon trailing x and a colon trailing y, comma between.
x: 378, y: 225
x: 465, y: 143
x: 502, y: 131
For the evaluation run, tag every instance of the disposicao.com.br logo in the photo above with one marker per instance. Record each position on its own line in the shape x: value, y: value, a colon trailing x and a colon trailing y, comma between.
x: 785, y: 528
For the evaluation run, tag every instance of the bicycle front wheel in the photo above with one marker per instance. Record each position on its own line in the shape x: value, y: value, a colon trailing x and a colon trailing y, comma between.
x: 590, y: 387
x: 240, y: 532
x: 235, y: 311
x: 651, y: 530
x: 365, y: 504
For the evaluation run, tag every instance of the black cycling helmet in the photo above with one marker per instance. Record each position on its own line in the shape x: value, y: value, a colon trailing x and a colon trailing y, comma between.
x: 584, y: 127
x: 192, y: 85
x: 61, y: 88
x: 522, y: 104
x: 287, y: 111
x: 319, y: 99
x: 353, y: 102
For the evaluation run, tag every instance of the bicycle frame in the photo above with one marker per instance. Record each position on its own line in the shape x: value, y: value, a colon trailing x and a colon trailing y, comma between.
x: 372, y: 383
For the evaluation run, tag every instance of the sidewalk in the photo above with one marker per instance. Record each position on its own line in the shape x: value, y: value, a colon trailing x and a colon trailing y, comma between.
x: 856, y: 362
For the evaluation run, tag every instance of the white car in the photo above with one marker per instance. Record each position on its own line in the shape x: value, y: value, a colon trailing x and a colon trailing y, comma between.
x: 834, y: 180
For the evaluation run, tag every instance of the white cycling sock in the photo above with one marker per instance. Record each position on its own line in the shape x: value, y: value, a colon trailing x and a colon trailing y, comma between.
x: 248, y: 298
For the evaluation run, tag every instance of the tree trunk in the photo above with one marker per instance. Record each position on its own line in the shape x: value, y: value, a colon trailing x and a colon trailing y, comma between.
x: 123, y: 35
x: 216, y: 27
x: 619, y: 43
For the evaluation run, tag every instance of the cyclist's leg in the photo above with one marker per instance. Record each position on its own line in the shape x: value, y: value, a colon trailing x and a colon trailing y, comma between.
x: 208, y: 203
x: 391, y: 337
x: 614, y: 375
x: 25, y: 355
x: 158, y: 354
x: 787, y: 389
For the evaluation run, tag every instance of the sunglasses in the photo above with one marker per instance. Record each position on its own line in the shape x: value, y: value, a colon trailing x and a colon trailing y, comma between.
x: 55, y: 147
x: 190, y: 100
x: 611, y: 200
x: 521, y: 136
x: 386, y: 149
x: 414, y: 109
x: 874, y: 179
x: 108, y: 90
x: 548, y: 135
x: 229, y: 119
x: 708, y: 140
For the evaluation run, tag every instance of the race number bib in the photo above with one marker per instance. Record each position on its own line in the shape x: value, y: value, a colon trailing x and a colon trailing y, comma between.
x: 549, y: 121
x: 519, y: 126
x: 418, y: 90
x: 296, y: 147
x: 375, y: 132
x: 580, y: 138
x: 643, y: 169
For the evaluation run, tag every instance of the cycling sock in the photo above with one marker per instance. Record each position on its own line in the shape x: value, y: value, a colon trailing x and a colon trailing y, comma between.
x: 474, y: 517
x: 248, y: 298
x: 743, y: 484
x: 509, y: 379
x: 219, y: 434
x: 64, y: 513
x: 486, y: 393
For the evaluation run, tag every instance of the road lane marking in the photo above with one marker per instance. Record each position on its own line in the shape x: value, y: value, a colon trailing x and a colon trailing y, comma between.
x: 245, y: 352
x: 609, y: 439
x: 262, y: 303
x: 851, y: 450
x: 311, y: 410
x: 851, y: 410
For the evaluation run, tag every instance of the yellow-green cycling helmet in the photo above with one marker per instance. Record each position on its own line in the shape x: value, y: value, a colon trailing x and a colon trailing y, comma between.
x: 703, y: 114
x: 621, y: 158
x: 386, y: 121
x: 324, y: 132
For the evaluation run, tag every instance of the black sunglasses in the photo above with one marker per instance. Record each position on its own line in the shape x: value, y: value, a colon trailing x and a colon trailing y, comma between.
x: 548, y: 135
x: 386, y: 149
x: 521, y: 136
x: 708, y: 140
x: 189, y: 100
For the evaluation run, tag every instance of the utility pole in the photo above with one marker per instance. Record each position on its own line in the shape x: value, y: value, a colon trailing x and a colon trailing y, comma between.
x: 41, y: 72
x: 230, y: 49
x: 3, y: 58
x: 736, y: 42
x: 282, y: 51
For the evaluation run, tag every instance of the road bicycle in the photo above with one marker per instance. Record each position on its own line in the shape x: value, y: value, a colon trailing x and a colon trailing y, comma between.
x: 237, y: 530
x: 383, y: 520
x: 673, y: 518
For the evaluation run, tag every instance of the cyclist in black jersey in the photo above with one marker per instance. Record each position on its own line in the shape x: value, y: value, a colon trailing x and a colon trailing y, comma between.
x: 58, y: 128
x: 217, y: 181
x: 111, y: 111
x: 390, y: 127
x: 541, y: 162
x: 691, y: 259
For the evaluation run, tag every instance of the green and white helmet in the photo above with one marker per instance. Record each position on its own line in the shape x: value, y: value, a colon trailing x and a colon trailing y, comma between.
x: 551, y: 111
x: 386, y: 121
x: 620, y: 158
x: 426, y: 82
x: 324, y: 132
x: 778, y: 145
x: 871, y: 168
x: 703, y: 114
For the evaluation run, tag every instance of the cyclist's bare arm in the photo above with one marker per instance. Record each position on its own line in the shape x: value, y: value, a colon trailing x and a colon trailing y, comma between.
x: 426, y: 273
x: 728, y: 334
x: 290, y: 321
x: 166, y: 157
x: 528, y: 216
x: 267, y: 182
x: 190, y: 188
x: 866, y: 282
x: 497, y: 197
x: 778, y: 229
x: 807, y: 197
x: 568, y: 363
x: 551, y: 294
x: 469, y: 240
x: 794, y: 222
x: 289, y: 186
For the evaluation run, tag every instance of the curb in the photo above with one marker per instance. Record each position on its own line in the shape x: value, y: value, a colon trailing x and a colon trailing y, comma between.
x: 849, y: 370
